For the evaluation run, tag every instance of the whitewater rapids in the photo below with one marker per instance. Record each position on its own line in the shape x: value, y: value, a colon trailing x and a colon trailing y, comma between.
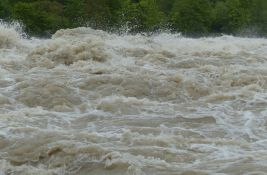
x: 90, y: 102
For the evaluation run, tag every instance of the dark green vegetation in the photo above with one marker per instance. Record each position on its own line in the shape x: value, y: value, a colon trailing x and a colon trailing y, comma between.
x: 191, y: 17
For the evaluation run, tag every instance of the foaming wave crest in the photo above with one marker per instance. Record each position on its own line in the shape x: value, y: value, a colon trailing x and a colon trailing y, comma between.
x: 92, y: 102
x: 69, y: 46
x: 10, y: 34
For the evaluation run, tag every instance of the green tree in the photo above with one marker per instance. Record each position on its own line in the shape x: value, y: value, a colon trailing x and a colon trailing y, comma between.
x: 4, y: 9
x: 192, y: 17
x: 117, y: 11
x: 97, y: 14
x: 259, y: 16
x: 152, y: 17
x: 75, y: 13
x: 230, y: 17
x: 165, y: 6
x: 144, y: 15
x: 41, y: 17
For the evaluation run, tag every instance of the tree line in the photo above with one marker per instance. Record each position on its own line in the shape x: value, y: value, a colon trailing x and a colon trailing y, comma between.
x: 190, y: 17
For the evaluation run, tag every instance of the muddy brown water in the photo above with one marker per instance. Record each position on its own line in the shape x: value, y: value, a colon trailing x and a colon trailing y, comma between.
x: 90, y: 102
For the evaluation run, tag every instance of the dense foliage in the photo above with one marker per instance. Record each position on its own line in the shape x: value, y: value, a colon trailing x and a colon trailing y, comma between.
x: 191, y: 17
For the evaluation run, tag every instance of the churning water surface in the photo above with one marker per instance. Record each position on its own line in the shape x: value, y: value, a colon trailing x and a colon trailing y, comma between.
x: 90, y: 102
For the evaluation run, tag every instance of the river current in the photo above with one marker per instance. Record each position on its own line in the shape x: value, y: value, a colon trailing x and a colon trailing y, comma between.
x: 90, y: 102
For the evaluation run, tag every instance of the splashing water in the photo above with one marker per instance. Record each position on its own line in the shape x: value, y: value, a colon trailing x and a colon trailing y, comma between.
x: 90, y: 102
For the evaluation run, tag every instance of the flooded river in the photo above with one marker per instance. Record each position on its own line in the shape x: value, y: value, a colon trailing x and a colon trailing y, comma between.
x: 90, y: 102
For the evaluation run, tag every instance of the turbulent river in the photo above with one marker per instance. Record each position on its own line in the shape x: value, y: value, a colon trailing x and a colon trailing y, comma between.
x: 90, y: 102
